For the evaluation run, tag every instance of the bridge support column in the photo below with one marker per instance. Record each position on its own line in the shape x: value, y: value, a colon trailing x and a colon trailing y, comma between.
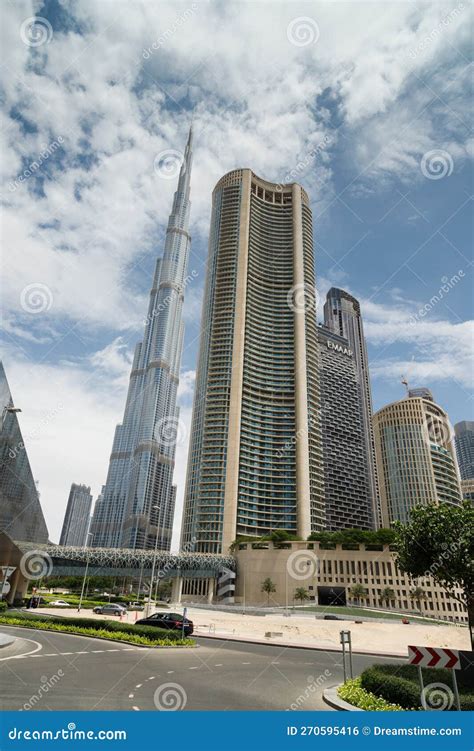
x: 211, y: 591
x: 177, y: 589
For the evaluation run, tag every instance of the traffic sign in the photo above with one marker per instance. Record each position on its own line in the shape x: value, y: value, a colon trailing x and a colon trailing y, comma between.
x: 434, y: 657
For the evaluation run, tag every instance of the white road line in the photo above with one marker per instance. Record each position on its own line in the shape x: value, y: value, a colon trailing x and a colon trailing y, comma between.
x: 51, y: 654
x: 151, y: 678
x: 16, y: 657
x: 82, y: 653
x: 170, y: 671
x: 136, y: 709
x: 195, y: 668
x: 113, y: 650
x: 246, y: 663
x: 130, y: 696
x: 63, y: 654
x: 96, y: 651
x: 139, y: 685
x: 218, y: 665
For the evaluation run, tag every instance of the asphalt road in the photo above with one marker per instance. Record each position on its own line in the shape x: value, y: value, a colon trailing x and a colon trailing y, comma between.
x: 45, y: 670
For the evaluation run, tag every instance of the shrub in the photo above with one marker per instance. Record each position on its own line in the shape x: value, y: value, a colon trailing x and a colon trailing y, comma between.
x: 353, y: 693
x: 400, y: 684
x: 3, y: 605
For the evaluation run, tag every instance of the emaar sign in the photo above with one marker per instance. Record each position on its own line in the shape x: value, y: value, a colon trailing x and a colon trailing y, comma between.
x: 339, y: 348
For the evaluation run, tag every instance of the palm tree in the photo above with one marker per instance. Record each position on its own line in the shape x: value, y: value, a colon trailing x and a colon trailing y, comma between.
x: 268, y: 587
x: 386, y: 595
x: 418, y: 594
x: 358, y: 593
x: 301, y: 594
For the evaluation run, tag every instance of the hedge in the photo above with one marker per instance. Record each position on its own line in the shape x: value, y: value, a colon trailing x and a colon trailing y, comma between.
x: 400, y: 684
x: 91, y: 623
x: 352, y: 692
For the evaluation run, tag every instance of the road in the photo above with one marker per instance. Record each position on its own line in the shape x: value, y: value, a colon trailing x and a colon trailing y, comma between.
x: 46, y: 671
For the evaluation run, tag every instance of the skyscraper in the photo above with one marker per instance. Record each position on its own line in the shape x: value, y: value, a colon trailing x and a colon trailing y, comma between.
x: 415, y: 456
x: 21, y: 516
x: 255, y: 459
x: 343, y: 316
x: 137, y: 505
x: 464, y: 440
x: 346, y: 482
x: 77, y: 516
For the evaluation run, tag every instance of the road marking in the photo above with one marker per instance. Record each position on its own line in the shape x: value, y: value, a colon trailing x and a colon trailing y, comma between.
x: 96, y: 651
x: 113, y: 650
x: 130, y: 696
x: 51, y: 654
x: 218, y: 665
x: 136, y: 709
x: 81, y: 653
x: 139, y: 685
x: 170, y: 671
x: 16, y: 657
x: 195, y: 668
x: 151, y: 678
x: 246, y: 663
x: 63, y: 654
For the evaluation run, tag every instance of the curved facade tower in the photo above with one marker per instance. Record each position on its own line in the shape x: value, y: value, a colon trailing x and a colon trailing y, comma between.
x: 137, y: 505
x: 255, y: 461
x: 342, y: 316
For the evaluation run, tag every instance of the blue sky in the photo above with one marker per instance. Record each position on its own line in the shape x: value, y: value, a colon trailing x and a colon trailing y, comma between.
x: 365, y: 104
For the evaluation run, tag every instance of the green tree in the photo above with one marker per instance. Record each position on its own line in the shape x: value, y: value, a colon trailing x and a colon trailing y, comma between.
x: 268, y: 587
x: 439, y: 542
x: 301, y: 594
x: 358, y: 593
x: 418, y: 594
x: 386, y: 595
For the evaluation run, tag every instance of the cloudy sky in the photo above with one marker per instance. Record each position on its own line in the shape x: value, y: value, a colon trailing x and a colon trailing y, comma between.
x: 365, y: 104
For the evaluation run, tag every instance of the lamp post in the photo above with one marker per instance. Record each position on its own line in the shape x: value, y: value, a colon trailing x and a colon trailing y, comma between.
x: 86, y: 547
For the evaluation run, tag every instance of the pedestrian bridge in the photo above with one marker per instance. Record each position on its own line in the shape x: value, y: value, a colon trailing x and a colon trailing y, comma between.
x: 33, y: 561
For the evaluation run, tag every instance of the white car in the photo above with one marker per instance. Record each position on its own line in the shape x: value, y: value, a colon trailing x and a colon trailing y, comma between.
x: 60, y: 604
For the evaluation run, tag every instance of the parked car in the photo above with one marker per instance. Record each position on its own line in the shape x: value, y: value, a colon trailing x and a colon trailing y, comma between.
x: 172, y: 621
x: 60, y: 604
x: 135, y: 606
x: 332, y: 618
x: 110, y: 608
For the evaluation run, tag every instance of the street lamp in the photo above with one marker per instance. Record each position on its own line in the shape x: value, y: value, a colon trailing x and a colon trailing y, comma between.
x: 86, y: 547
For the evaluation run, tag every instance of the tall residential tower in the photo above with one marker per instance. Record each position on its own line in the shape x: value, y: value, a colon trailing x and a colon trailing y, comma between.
x: 255, y: 459
x: 137, y: 504
x: 342, y: 315
x: 77, y: 517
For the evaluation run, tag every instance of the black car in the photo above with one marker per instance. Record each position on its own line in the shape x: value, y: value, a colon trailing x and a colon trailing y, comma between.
x: 332, y: 618
x: 168, y: 620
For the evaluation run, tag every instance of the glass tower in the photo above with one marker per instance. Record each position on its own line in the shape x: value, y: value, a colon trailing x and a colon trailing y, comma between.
x: 342, y: 315
x: 464, y: 440
x: 77, y: 517
x: 255, y: 460
x: 137, y: 503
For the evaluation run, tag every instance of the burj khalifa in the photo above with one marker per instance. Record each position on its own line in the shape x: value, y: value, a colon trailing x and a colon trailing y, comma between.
x: 136, y: 506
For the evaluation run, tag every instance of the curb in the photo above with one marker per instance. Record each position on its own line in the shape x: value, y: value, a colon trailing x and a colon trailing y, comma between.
x: 6, y: 640
x: 102, y: 638
x: 316, y: 647
x: 331, y: 698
